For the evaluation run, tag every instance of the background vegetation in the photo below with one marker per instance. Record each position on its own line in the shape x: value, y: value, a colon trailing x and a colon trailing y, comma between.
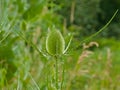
x: 95, y: 65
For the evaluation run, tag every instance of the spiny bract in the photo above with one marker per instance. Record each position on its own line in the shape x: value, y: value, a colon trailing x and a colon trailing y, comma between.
x: 55, y: 43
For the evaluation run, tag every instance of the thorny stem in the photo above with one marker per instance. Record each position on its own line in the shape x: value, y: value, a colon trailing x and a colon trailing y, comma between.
x: 56, y: 71
x: 63, y: 72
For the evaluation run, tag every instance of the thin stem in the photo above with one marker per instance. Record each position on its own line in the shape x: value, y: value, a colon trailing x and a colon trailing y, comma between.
x: 18, y: 84
x: 95, y: 34
x: 56, y: 69
x: 38, y: 88
x: 63, y: 73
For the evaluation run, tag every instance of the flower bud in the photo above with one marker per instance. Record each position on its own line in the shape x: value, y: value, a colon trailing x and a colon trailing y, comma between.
x: 55, y: 43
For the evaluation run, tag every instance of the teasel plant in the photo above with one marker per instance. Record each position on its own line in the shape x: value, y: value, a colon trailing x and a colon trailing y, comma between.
x: 56, y: 48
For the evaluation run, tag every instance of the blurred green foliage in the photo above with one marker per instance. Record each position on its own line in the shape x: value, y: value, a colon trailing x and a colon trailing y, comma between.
x: 87, y: 17
x: 23, y: 29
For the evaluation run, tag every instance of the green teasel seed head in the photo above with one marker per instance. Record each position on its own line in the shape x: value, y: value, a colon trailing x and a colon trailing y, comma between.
x: 55, y: 43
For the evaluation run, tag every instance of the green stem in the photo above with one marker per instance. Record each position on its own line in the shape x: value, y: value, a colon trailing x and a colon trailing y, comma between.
x: 56, y: 69
x: 63, y: 72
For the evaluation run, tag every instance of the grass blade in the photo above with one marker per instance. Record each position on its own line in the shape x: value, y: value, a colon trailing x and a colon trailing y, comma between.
x: 38, y: 88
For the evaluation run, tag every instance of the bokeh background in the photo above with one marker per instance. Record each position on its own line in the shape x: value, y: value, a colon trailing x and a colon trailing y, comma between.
x: 94, y: 65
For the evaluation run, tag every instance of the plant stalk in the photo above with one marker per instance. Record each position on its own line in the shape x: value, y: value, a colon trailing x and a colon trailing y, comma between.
x: 56, y: 72
x: 63, y: 72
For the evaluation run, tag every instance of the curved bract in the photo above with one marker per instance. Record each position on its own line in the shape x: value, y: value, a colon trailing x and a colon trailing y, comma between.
x: 55, y: 43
